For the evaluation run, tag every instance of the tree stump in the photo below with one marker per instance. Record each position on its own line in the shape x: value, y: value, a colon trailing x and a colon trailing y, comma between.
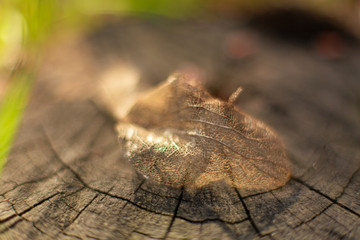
x: 67, y: 176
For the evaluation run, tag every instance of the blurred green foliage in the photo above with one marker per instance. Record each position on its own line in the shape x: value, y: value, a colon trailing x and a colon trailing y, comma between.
x: 11, y: 110
x: 25, y: 26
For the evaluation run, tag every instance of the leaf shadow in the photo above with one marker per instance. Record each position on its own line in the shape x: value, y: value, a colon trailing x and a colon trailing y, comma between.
x: 219, y: 203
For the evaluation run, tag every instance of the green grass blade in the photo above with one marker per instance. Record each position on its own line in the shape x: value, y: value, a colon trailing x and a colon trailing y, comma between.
x: 11, y: 110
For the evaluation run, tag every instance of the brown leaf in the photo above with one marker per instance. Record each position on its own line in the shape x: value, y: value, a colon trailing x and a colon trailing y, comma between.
x: 179, y: 135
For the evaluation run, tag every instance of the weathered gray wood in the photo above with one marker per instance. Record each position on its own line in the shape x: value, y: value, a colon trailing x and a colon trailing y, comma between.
x: 67, y: 177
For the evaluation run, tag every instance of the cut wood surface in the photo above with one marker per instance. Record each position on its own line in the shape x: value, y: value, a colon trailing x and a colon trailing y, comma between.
x: 67, y: 176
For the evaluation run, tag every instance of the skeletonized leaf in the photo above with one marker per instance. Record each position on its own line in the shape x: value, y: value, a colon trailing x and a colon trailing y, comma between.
x: 179, y: 135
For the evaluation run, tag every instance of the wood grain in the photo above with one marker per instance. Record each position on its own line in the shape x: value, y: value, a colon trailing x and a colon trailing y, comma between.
x: 67, y: 177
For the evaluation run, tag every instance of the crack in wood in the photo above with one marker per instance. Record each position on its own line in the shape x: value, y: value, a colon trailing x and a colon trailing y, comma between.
x: 77, y: 176
x: 34, y: 181
x: 262, y: 193
x: 252, y: 222
x: 175, y: 214
x: 28, y: 209
x: 80, y: 212
x: 12, y: 225
x: 144, y: 234
x: 313, y: 217
x: 316, y: 214
x: 161, y: 213
x: 290, y: 213
x: 92, y: 237
x: 334, y: 201
x: 84, y: 126
x: 34, y: 225
x: 159, y: 195
x: 20, y: 215
x: 140, y: 185
x: 137, y: 189
x: 185, y: 200
x: 71, y: 235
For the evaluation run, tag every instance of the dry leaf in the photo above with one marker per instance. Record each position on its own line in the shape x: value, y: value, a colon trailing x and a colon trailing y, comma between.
x: 179, y: 135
